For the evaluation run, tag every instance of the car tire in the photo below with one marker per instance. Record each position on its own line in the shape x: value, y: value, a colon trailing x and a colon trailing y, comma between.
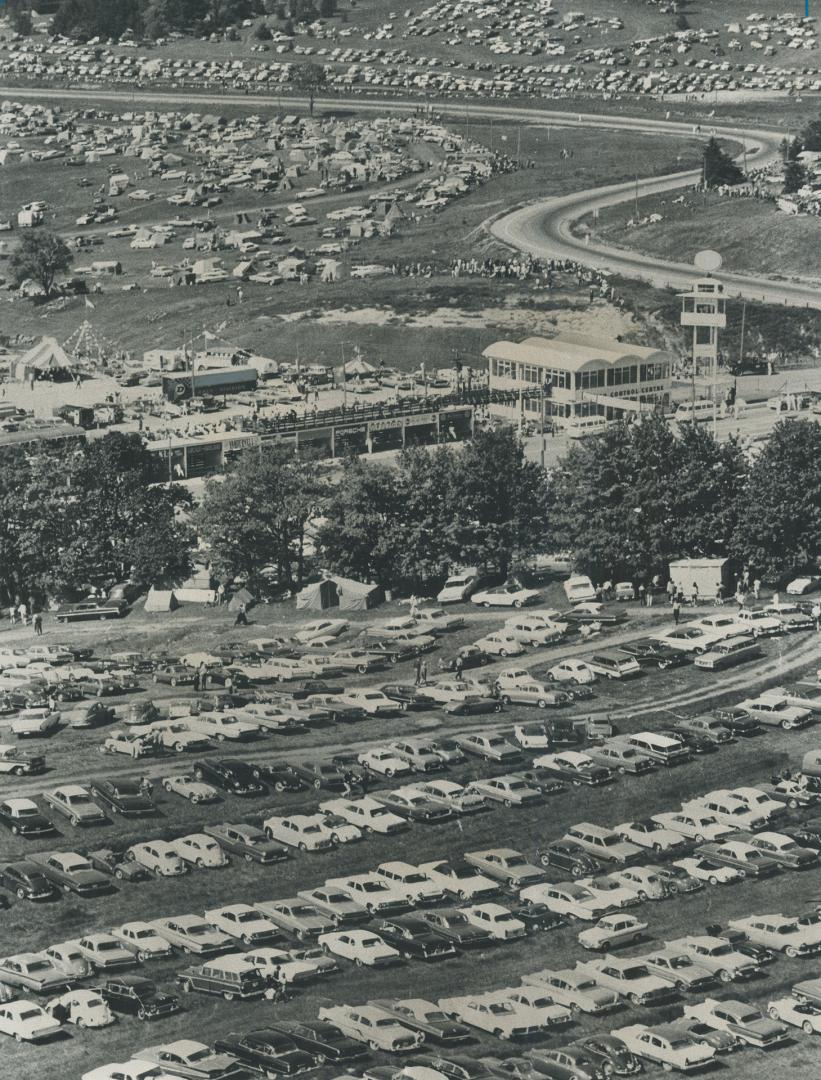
x: 302, y: 846
x: 725, y: 976
x: 389, y: 773
x: 198, y: 774
x: 793, y: 804
x: 544, y: 859
x: 505, y: 699
x: 220, y: 736
x: 576, y: 871
x: 15, y: 829
x: 21, y: 893
x: 791, y: 952
x: 773, y: 1013
x: 807, y: 1028
x: 642, y: 895
x: 227, y: 995
x: 74, y: 820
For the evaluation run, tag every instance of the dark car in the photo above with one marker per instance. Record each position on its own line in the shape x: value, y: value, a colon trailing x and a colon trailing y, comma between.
x: 135, y: 996
x: 696, y: 744
x: 23, y: 818
x: 323, y: 1040
x: 248, y: 841
x: 319, y: 775
x: 739, y: 722
x: 277, y: 775
x: 65, y: 691
x: 406, y: 695
x: 391, y: 650
x: 741, y: 943
x: 267, y: 1051
x: 453, y: 1066
x: 543, y: 780
x: 228, y: 677
x: 124, y: 797
x: 174, y: 674
x: 115, y: 863
x: 606, y: 616
x: 103, y: 686
x: 653, y: 654
x: 567, y: 856
x: 535, y: 916
x: 807, y: 833
x: 414, y: 939
x: 419, y: 808
x: 91, y: 609
x: 611, y: 1054
x: 452, y: 924
x: 26, y: 881
x: 228, y: 774
x: 470, y: 656
x: 306, y: 687
x: 563, y: 732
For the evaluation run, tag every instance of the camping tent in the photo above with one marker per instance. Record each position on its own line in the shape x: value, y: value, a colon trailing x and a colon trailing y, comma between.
x: 340, y: 592
x: 241, y: 596
x: 160, y: 600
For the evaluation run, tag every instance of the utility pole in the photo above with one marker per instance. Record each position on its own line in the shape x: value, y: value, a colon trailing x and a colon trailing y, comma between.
x: 519, y: 145
x: 743, y: 325
x: 637, y: 197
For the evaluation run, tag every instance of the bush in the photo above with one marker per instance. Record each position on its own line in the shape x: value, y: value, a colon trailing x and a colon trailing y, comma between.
x: 263, y: 32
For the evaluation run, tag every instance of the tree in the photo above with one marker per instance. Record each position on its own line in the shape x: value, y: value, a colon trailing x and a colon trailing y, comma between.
x: 40, y: 256
x: 795, y: 177
x: 327, y: 8
x: 682, y: 22
x: 791, y: 148
x: 20, y: 17
x: 779, y: 531
x: 628, y: 501
x: 309, y: 79
x: 719, y: 167
x: 114, y: 523
x: 360, y: 533
x: 263, y: 32
x: 255, y: 518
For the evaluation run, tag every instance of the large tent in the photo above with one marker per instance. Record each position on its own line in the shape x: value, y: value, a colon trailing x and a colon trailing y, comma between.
x: 46, y: 360
x: 340, y: 592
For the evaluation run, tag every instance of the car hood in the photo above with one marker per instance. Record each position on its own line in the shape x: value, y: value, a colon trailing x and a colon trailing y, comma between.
x: 89, y: 877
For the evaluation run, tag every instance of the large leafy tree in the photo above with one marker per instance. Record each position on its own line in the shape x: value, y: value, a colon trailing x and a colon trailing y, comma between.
x: 628, y: 501
x: 40, y: 256
x: 255, y: 517
x: 309, y: 79
x: 779, y: 531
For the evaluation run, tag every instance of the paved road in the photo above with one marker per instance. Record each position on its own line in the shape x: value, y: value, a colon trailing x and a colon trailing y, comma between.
x: 542, y: 227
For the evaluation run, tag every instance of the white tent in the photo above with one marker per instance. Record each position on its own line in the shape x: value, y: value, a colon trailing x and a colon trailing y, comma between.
x: 47, y: 358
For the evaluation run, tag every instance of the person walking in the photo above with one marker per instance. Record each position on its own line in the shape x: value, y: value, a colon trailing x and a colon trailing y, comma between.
x: 423, y: 672
x: 13, y: 614
x: 459, y: 667
x: 757, y: 588
x: 418, y: 668
x: 676, y: 611
x: 220, y: 593
x: 671, y: 592
x: 38, y: 624
x: 197, y: 680
x: 694, y: 594
x: 242, y: 618
x: 22, y: 611
x: 816, y: 614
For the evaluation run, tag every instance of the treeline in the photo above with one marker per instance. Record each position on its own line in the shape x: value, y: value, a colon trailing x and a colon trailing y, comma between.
x: 624, y: 504
x: 85, y: 19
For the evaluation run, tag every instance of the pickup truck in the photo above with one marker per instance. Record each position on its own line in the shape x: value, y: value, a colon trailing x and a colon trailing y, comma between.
x: 76, y: 804
x: 71, y: 872
x: 248, y: 841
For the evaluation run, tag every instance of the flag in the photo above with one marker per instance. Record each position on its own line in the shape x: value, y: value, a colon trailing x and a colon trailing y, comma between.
x: 89, y: 304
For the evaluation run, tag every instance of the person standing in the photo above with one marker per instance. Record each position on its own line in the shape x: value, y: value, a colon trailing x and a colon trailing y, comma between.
x: 220, y: 593
x: 38, y: 624
x: 757, y: 588
x: 22, y: 611
x: 671, y: 592
x: 418, y: 667
x: 676, y: 611
x: 816, y: 614
x: 423, y: 673
x: 694, y: 593
x: 459, y: 667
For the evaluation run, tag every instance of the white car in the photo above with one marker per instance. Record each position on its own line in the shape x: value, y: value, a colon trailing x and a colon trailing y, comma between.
x: 722, y: 625
x: 514, y: 677
x: 243, y: 923
x: 725, y: 810
x: 342, y: 832
x: 491, y: 1012
x: 367, y: 814
x: 460, y: 879
x: 281, y: 965
x: 385, y: 762
x: 104, y: 952
x: 666, y: 1046
x: 780, y: 933
x: 499, y: 921
x: 135, y: 1069
x: 803, y: 1014
x: 697, y: 826
x: 649, y: 833
x: 188, y: 787
x: 459, y: 799
x: 159, y: 856
x: 760, y: 623
x: 644, y: 880
x: 363, y: 947
x: 26, y: 1021
x: 801, y: 585
x: 718, y: 955
x: 458, y: 587
x: 738, y: 1018
x: 628, y: 977
x: 574, y: 989
x: 83, y: 1008
x: 222, y: 726
x: 500, y: 643
x: 321, y: 628
x: 533, y: 632
x: 412, y: 882
x: 437, y: 621
x: 689, y: 639
x: 567, y: 898
x: 610, y: 892
x: 200, y: 850
x: 372, y: 891
x: 307, y: 832
x: 535, y: 1004
x: 374, y: 702
x: 532, y: 736
x: 509, y: 595
x: 66, y: 957
x: 369, y: 1024
x: 393, y: 628
x: 143, y: 940
x: 612, y: 930
x: 712, y: 873
x: 572, y: 671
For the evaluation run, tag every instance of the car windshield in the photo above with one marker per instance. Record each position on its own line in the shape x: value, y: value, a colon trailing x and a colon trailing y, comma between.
x: 637, y: 972
x: 25, y: 811
x: 38, y: 965
x: 199, y: 1055
x: 28, y: 1014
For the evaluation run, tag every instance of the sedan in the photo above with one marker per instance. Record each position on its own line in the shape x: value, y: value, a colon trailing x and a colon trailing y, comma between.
x: 266, y: 1051
x: 508, y: 595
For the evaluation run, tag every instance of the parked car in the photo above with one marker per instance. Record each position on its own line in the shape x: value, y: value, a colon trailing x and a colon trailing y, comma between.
x: 247, y: 841
x: 229, y: 774
x: 134, y: 995
x: 123, y: 796
x: 22, y: 817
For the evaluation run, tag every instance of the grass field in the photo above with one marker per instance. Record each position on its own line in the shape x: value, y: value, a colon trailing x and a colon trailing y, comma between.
x: 158, y: 316
x: 31, y: 926
x: 752, y: 235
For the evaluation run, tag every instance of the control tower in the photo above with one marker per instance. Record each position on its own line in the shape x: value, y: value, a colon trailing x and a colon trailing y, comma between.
x: 704, y: 308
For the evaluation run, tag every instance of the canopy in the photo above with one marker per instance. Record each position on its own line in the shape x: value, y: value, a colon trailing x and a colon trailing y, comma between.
x: 48, y: 357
